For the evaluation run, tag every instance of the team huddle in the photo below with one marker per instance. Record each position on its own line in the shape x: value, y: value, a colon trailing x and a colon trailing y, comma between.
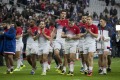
x: 85, y: 38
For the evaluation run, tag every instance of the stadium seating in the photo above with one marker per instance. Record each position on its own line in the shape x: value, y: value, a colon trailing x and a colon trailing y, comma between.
x: 98, y: 6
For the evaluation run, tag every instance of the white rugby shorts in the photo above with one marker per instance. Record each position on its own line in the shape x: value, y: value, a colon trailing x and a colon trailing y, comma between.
x: 89, y: 47
x: 32, y: 48
x: 43, y: 49
x: 19, y: 46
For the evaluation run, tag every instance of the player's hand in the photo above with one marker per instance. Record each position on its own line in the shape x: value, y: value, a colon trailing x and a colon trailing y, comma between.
x: 85, y: 33
x: 43, y: 31
x: 38, y: 32
x: 102, y: 37
x: 29, y: 31
x: 88, y: 30
x: 68, y: 37
x: 34, y: 37
x: 106, y: 40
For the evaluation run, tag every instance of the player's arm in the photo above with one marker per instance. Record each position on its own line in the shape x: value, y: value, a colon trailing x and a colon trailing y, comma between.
x: 30, y: 32
x: 53, y: 33
x: 36, y: 36
x: 18, y: 36
x: 77, y: 36
x: 19, y: 33
x: 95, y: 34
x: 47, y: 35
x: 63, y: 35
x: 98, y: 38
x: 83, y: 34
x: 55, y: 29
x: 107, y: 38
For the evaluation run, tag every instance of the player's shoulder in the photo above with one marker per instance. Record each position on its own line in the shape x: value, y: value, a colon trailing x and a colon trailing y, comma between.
x: 51, y: 27
x: 80, y: 23
x: 93, y: 25
x: 36, y: 27
x: 19, y: 28
x: 46, y: 29
x: 57, y: 20
x: 75, y: 26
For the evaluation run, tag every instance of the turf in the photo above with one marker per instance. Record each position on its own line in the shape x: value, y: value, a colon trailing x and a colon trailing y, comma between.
x: 24, y: 74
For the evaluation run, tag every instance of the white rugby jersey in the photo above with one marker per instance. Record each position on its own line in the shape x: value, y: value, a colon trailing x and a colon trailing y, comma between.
x: 88, y: 37
x: 19, y: 32
x: 59, y: 26
x: 42, y: 39
x: 30, y: 37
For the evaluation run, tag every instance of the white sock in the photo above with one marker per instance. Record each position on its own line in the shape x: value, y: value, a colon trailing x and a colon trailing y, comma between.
x: 58, y: 66
x: 71, y: 66
x: 12, y: 67
x: 64, y: 68
x: 90, y: 68
x: 85, y: 67
x: 81, y: 63
x: 9, y: 69
x: 104, y: 70
x: 18, y: 63
x: 77, y: 55
x: 48, y: 66
x: 21, y: 57
x: 45, y: 64
x: 21, y: 63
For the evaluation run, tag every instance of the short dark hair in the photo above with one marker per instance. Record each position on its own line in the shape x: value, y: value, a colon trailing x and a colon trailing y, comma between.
x: 90, y: 16
x: 18, y: 23
x: 32, y: 20
x: 63, y: 11
x: 52, y: 23
x: 103, y: 18
x: 84, y: 15
x: 71, y: 19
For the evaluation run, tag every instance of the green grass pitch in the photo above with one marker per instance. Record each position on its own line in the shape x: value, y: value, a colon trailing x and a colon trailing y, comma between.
x: 24, y: 74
